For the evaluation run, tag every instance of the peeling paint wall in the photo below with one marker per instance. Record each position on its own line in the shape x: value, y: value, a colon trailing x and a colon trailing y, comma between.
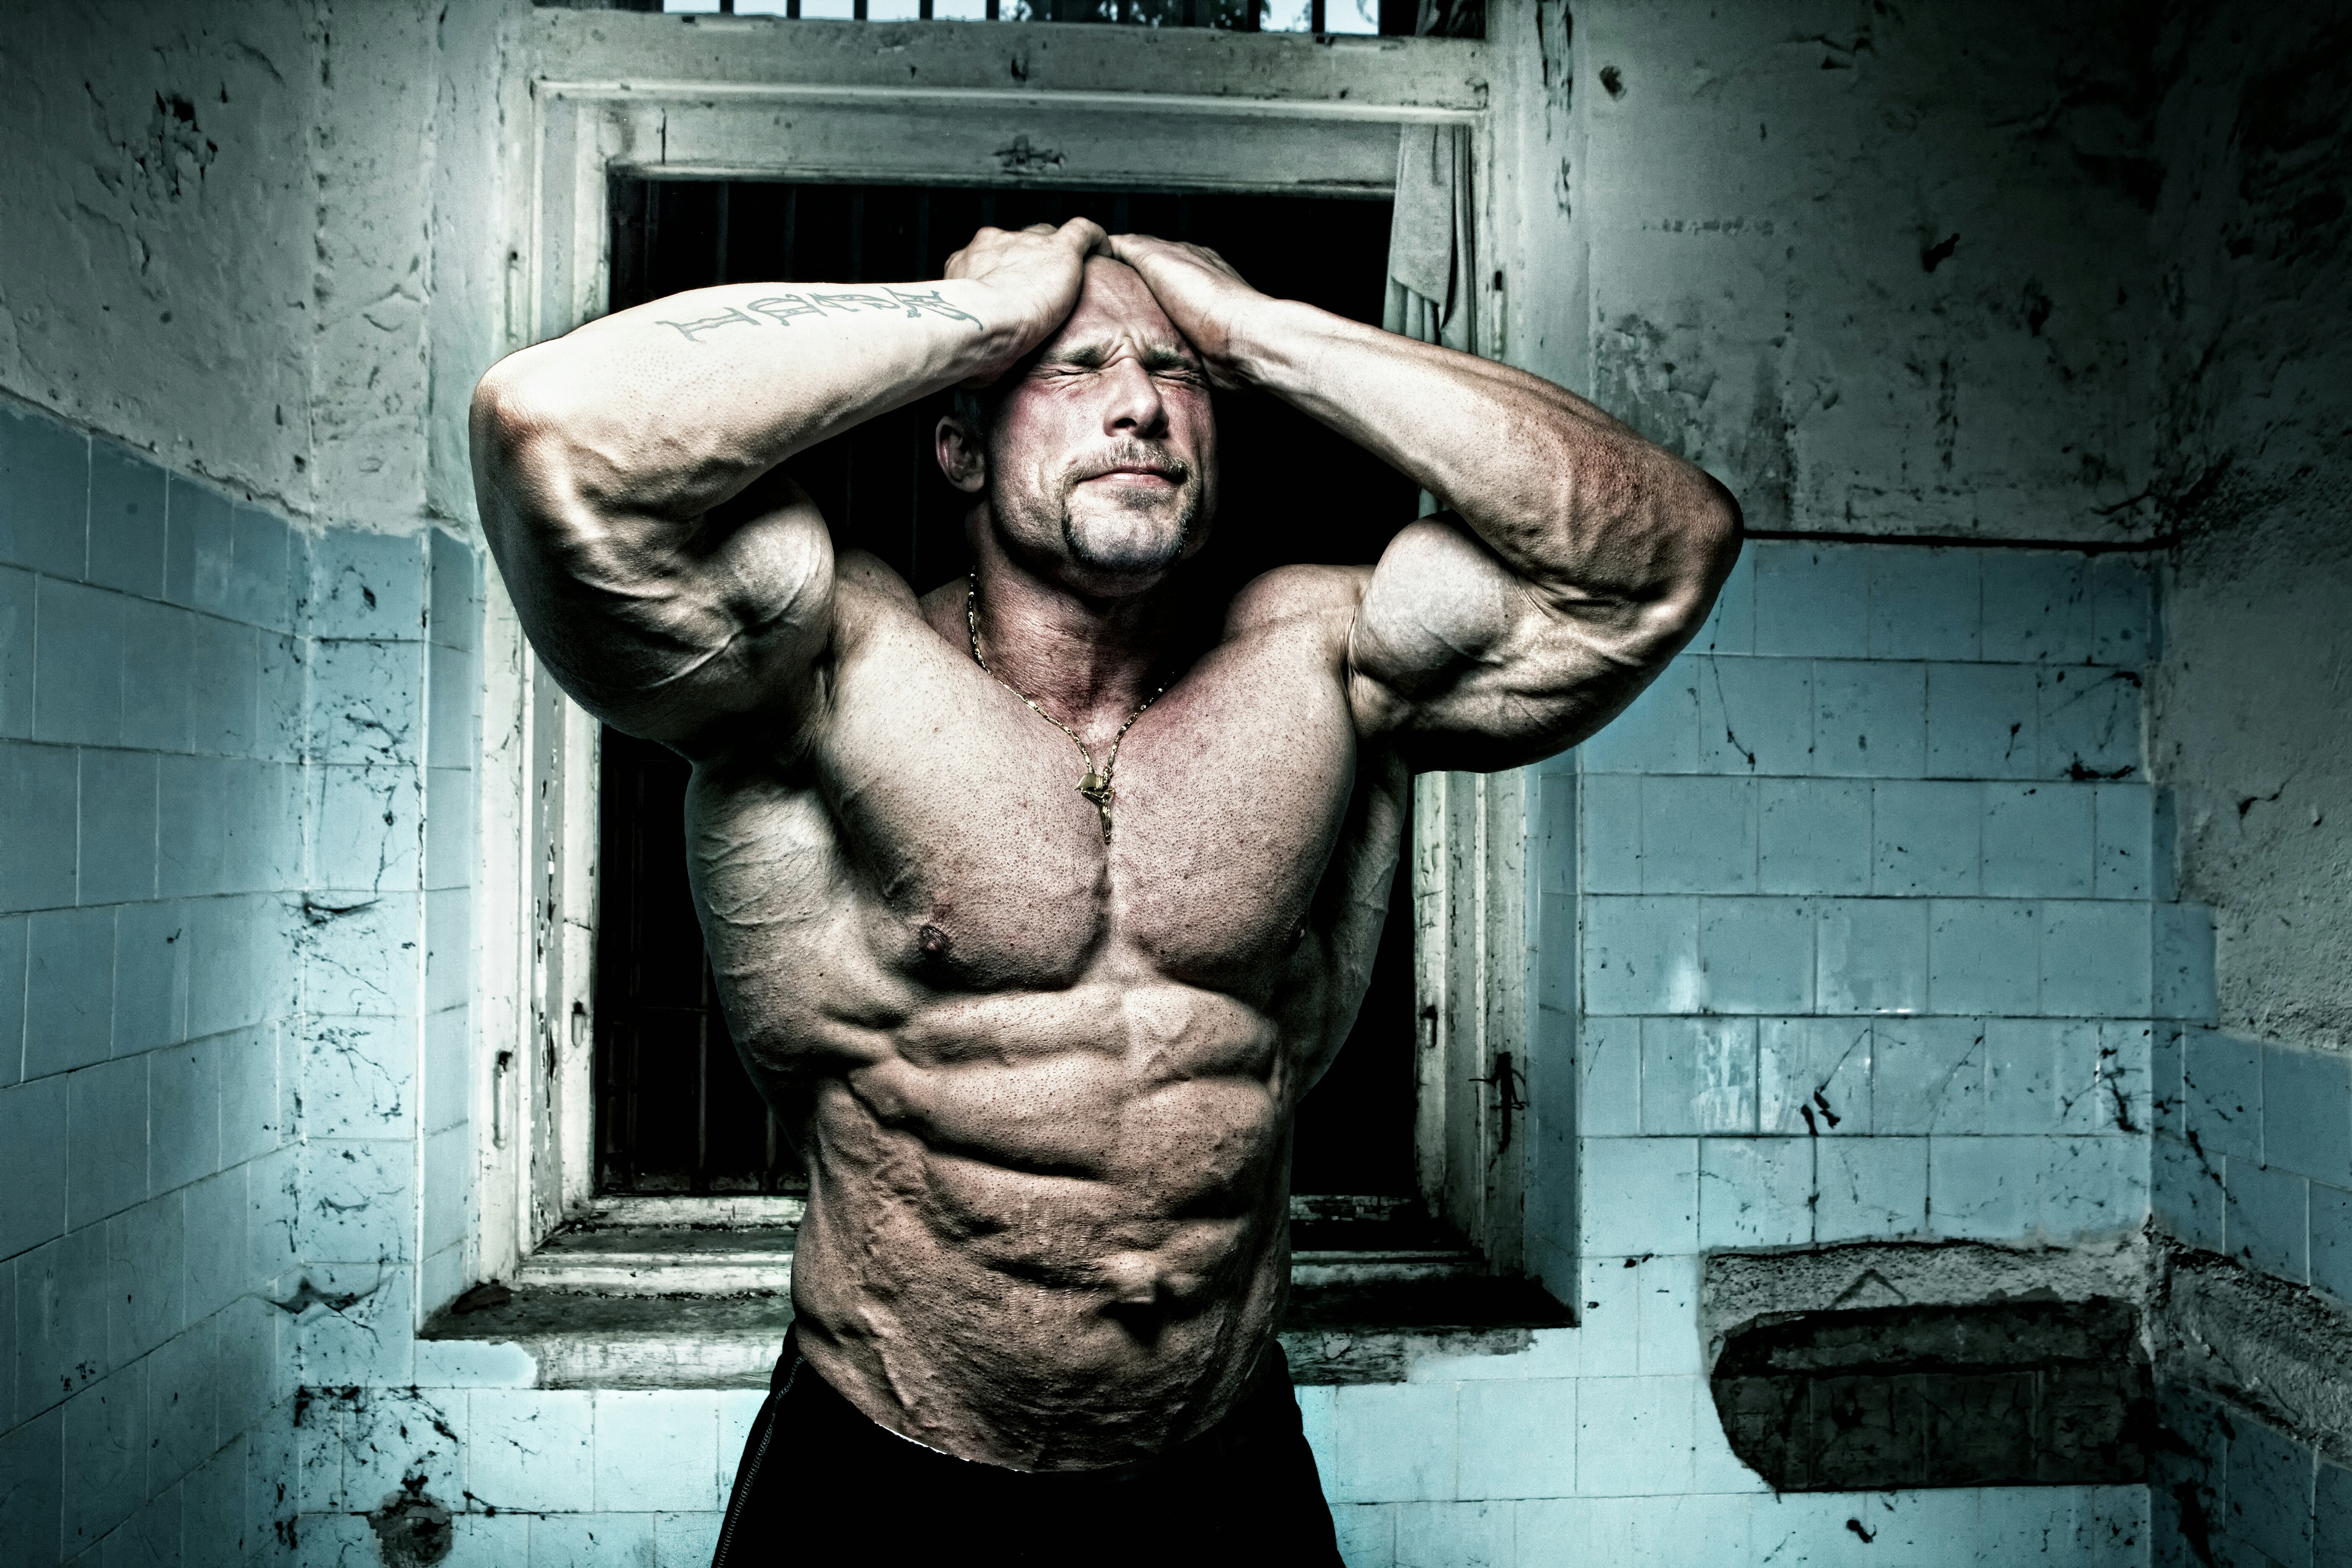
x: 225, y: 254
x: 238, y: 694
x: 1882, y: 268
x: 2256, y: 134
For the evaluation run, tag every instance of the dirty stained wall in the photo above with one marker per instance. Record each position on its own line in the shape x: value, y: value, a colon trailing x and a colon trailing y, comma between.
x: 2252, y: 1157
x: 2257, y: 677
x: 1882, y: 268
x: 238, y: 682
x: 226, y: 257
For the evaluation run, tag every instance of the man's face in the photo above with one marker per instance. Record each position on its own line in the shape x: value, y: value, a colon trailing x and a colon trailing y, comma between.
x: 1102, y: 455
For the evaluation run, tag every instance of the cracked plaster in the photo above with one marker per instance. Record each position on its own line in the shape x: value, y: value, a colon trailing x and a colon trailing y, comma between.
x: 152, y: 287
x: 2247, y: 720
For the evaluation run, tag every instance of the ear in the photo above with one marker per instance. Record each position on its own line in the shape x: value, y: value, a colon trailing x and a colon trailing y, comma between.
x: 962, y: 460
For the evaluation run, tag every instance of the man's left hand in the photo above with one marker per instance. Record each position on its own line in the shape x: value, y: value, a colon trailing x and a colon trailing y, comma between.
x: 1203, y: 296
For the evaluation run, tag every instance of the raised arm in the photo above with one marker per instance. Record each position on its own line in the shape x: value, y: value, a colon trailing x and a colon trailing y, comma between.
x: 618, y: 470
x: 1574, y: 560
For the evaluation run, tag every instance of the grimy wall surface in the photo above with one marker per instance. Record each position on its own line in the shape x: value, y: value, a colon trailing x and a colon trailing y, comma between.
x: 2252, y: 406
x: 1890, y: 835
x: 236, y: 750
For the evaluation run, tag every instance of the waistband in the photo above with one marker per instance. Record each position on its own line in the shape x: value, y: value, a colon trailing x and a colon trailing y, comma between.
x: 1267, y: 1397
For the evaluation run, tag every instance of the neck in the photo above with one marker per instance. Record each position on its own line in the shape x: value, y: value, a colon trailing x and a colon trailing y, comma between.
x: 1087, y: 659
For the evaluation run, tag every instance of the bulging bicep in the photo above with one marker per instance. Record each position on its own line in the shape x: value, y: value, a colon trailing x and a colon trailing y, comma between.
x: 667, y: 630
x: 1461, y: 665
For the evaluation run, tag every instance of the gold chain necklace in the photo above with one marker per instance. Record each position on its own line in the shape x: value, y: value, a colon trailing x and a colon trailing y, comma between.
x: 1096, y: 784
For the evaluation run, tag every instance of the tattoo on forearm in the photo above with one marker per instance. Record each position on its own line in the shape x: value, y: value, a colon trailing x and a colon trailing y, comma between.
x: 782, y: 308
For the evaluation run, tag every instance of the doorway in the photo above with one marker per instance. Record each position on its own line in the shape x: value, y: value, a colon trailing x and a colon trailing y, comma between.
x: 675, y: 1111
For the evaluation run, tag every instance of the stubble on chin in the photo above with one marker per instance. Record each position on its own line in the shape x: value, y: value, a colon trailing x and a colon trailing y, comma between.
x: 1160, y: 559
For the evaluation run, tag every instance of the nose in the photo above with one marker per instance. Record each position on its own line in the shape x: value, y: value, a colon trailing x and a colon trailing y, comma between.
x: 1133, y: 404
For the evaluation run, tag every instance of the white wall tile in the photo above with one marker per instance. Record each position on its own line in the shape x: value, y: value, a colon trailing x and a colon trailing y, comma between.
x: 1634, y: 1436
x: 1925, y: 839
x: 1924, y: 604
x: 532, y: 1448
x: 1756, y: 716
x: 1927, y: 1075
x: 1871, y: 1188
x: 1870, y: 721
x: 2040, y: 840
x: 1367, y: 1533
x: 1454, y: 1535
x: 1984, y: 956
x: 1870, y: 956
x: 2095, y: 1186
x: 1698, y: 1075
x: 1813, y: 1076
x: 686, y: 1539
x: 1667, y: 1300
x: 1814, y: 836
x: 656, y: 1450
x: 1756, y: 954
x: 106, y: 1444
x: 592, y: 1541
x: 1641, y: 955
x: 1983, y: 722
x: 1984, y: 1189
x: 1392, y: 1443
x: 1641, y: 1194
x: 1812, y: 600
x: 2094, y: 960
x: 1755, y: 1192
x: 1698, y: 835
x: 1518, y: 1438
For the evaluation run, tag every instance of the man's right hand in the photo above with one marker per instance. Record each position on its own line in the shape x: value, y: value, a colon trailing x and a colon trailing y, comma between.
x: 1036, y: 273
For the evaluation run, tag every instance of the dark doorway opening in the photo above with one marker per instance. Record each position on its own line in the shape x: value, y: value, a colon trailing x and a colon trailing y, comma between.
x: 675, y: 1111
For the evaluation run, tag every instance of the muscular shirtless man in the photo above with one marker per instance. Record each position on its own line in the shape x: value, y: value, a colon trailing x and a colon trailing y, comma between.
x: 1036, y: 903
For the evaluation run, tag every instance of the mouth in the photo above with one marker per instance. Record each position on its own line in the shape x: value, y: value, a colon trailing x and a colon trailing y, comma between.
x: 1138, y: 471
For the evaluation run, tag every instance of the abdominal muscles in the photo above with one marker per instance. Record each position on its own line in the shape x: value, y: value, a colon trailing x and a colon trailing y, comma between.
x: 1046, y: 1230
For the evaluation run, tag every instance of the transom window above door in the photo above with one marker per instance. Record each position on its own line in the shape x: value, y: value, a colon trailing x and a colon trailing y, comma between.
x: 1443, y: 19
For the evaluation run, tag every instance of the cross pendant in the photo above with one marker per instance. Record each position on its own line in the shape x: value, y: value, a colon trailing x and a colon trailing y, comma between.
x: 1097, y: 788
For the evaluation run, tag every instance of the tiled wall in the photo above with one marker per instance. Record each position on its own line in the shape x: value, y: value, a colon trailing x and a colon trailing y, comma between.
x: 1872, y: 945
x: 188, y: 725
x: 2253, y: 1154
x: 1869, y: 948
x: 1880, y: 837
x: 1869, y: 925
x: 2252, y: 1158
x: 2237, y: 1492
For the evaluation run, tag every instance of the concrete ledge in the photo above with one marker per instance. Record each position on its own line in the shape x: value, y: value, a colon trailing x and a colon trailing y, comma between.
x: 1364, y: 1332
x: 1739, y: 1289
x: 2280, y: 1350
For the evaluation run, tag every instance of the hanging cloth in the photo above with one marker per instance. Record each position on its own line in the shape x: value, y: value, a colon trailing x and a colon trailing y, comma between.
x: 1433, y: 270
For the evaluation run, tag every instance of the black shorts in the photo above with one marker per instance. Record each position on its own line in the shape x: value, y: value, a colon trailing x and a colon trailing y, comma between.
x: 819, y: 1483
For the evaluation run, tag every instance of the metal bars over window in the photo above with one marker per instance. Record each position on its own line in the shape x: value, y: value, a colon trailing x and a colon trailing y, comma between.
x: 1394, y: 18
x: 675, y: 1111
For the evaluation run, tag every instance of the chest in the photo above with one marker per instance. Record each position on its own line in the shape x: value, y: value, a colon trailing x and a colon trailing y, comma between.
x: 956, y: 808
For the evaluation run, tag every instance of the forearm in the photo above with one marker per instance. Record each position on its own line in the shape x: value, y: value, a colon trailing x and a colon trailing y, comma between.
x: 668, y: 409
x: 1572, y: 501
